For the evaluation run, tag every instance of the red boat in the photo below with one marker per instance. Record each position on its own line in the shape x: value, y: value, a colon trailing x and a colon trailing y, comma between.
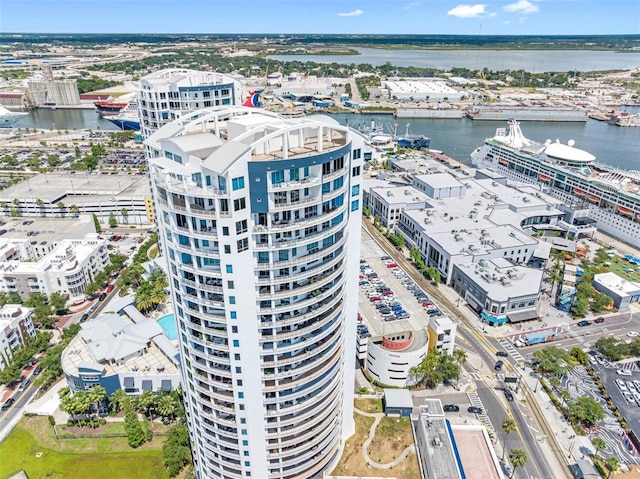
x: 109, y: 107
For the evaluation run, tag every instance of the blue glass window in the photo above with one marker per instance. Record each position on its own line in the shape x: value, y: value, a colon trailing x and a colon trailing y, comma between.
x: 355, y: 190
x: 237, y: 183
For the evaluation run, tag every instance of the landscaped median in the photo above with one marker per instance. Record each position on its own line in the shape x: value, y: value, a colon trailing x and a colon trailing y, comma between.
x: 32, y: 447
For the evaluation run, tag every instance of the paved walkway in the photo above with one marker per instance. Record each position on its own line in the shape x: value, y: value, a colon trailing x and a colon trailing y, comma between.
x: 372, y: 433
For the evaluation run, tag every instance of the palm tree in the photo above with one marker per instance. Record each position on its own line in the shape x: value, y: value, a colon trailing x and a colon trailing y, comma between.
x: 119, y: 400
x: 518, y: 458
x: 612, y: 463
x: 460, y: 357
x: 599, y: 443
x: 74, y: 209
x: 565, y: 395
x: 60, y: 205
x: 39, y: 204
x: 145, y: 401
x: 554, y: 381
x: 508, y: 426
x: 166, y: 406
x: 125, y: 215
x: 97, y: 394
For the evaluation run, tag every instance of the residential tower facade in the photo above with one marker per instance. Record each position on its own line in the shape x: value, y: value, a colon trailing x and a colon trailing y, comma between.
x: 259, y: 218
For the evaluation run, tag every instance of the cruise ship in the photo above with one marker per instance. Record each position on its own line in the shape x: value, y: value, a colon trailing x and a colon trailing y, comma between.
x: 608, y: 197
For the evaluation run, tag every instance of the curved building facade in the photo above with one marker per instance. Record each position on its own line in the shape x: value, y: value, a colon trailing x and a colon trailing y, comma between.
x: 259, y: 219
x: 168, y: 94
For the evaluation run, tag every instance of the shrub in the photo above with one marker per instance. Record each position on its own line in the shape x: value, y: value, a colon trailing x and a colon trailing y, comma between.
x: 52, y: 420
x: 103, y: 421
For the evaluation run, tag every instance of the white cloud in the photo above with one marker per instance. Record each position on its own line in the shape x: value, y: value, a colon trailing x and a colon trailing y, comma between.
x: 355, y: 13
x: 410, y: 5
x: 467, y: 11
x: 521, y: 6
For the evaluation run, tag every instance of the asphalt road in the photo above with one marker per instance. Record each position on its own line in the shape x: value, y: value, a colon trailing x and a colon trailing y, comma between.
x: 485, y: 347
x: 22, y: 399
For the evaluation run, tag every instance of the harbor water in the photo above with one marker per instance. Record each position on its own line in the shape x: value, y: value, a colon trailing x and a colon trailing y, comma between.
x: 612, y: 145
x: 534, y: 61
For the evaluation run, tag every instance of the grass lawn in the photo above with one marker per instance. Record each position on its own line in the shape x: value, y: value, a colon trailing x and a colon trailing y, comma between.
x: 78, y: 458
x: 393, y: 435
x: 617, y: 266
x: 369, y: 405
x: 353, y: 464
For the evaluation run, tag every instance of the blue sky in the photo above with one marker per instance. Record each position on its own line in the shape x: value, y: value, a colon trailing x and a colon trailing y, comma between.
x: 514, y: 17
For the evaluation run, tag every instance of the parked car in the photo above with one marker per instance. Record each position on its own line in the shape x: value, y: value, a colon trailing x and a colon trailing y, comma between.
x: 622, y: 386
x: 37, y: 370
x: 633, y: 334
x: 502, y: 354
x: 110, y: 288
x: 435, y: 314
x: 498, y: 365
x: 584, y: 322
x: 23, y: 385
x: 392, y: 265
x: 599, y: 319
x: 451, y: 408
x: 84, y: 317
x: 102, y: 297
x: 8, y: 403
x: 402, y: 315
x: 623, y: 372
x: 385, y: 258
x: 474, y: 409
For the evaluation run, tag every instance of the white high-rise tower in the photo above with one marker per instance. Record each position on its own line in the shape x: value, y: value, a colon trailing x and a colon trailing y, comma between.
x: 259, y: 218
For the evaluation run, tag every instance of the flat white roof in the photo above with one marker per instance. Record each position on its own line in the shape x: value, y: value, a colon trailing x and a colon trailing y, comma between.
x: 613, y: 282
x: 439, y: 180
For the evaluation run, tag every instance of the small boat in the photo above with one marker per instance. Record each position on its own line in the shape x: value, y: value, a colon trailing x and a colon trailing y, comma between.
x: 503, y: 161
x: 9, y: 118
x: 593, y: 198
x: 579, y: 192
x: 544, y: 178
x: 109, y: 107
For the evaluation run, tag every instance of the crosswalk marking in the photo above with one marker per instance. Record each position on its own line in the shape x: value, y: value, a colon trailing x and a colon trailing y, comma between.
x: 475, y: 400
x: 511, y: 349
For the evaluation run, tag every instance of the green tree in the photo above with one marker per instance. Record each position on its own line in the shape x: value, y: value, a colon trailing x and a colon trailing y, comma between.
x: 113, y: 222
x: 599, y: 443
x: 146, y: 401
x: 553, y: 360
x: 119, y: 400
x: 518, y: 458
x: 166, y: 406
x: 612, y: 463
x: 579, y: 355
x: 125, y: 215
x: 601, y: 302
x: 586, y: 409
x: 96, y: 222
x: 58, y: 302
x: 97, y: 394
x: 135, y: 434
x: 509, y: 425
x: 74, y: 210
x: 436, y: 367
x: 176, y: 450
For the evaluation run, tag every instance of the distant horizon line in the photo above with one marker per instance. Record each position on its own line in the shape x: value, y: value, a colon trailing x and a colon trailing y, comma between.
x: 336, y: 34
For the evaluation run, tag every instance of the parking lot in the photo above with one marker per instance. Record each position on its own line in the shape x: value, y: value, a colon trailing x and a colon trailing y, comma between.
x: 383, y: 297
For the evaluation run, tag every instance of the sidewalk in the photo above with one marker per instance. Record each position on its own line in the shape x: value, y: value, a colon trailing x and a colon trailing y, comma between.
x: 564, y: 440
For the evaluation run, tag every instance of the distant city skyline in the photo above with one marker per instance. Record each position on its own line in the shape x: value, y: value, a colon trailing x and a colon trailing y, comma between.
x: 459, y: 17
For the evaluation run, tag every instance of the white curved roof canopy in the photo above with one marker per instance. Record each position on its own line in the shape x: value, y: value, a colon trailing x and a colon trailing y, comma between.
x: 568, y: 153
